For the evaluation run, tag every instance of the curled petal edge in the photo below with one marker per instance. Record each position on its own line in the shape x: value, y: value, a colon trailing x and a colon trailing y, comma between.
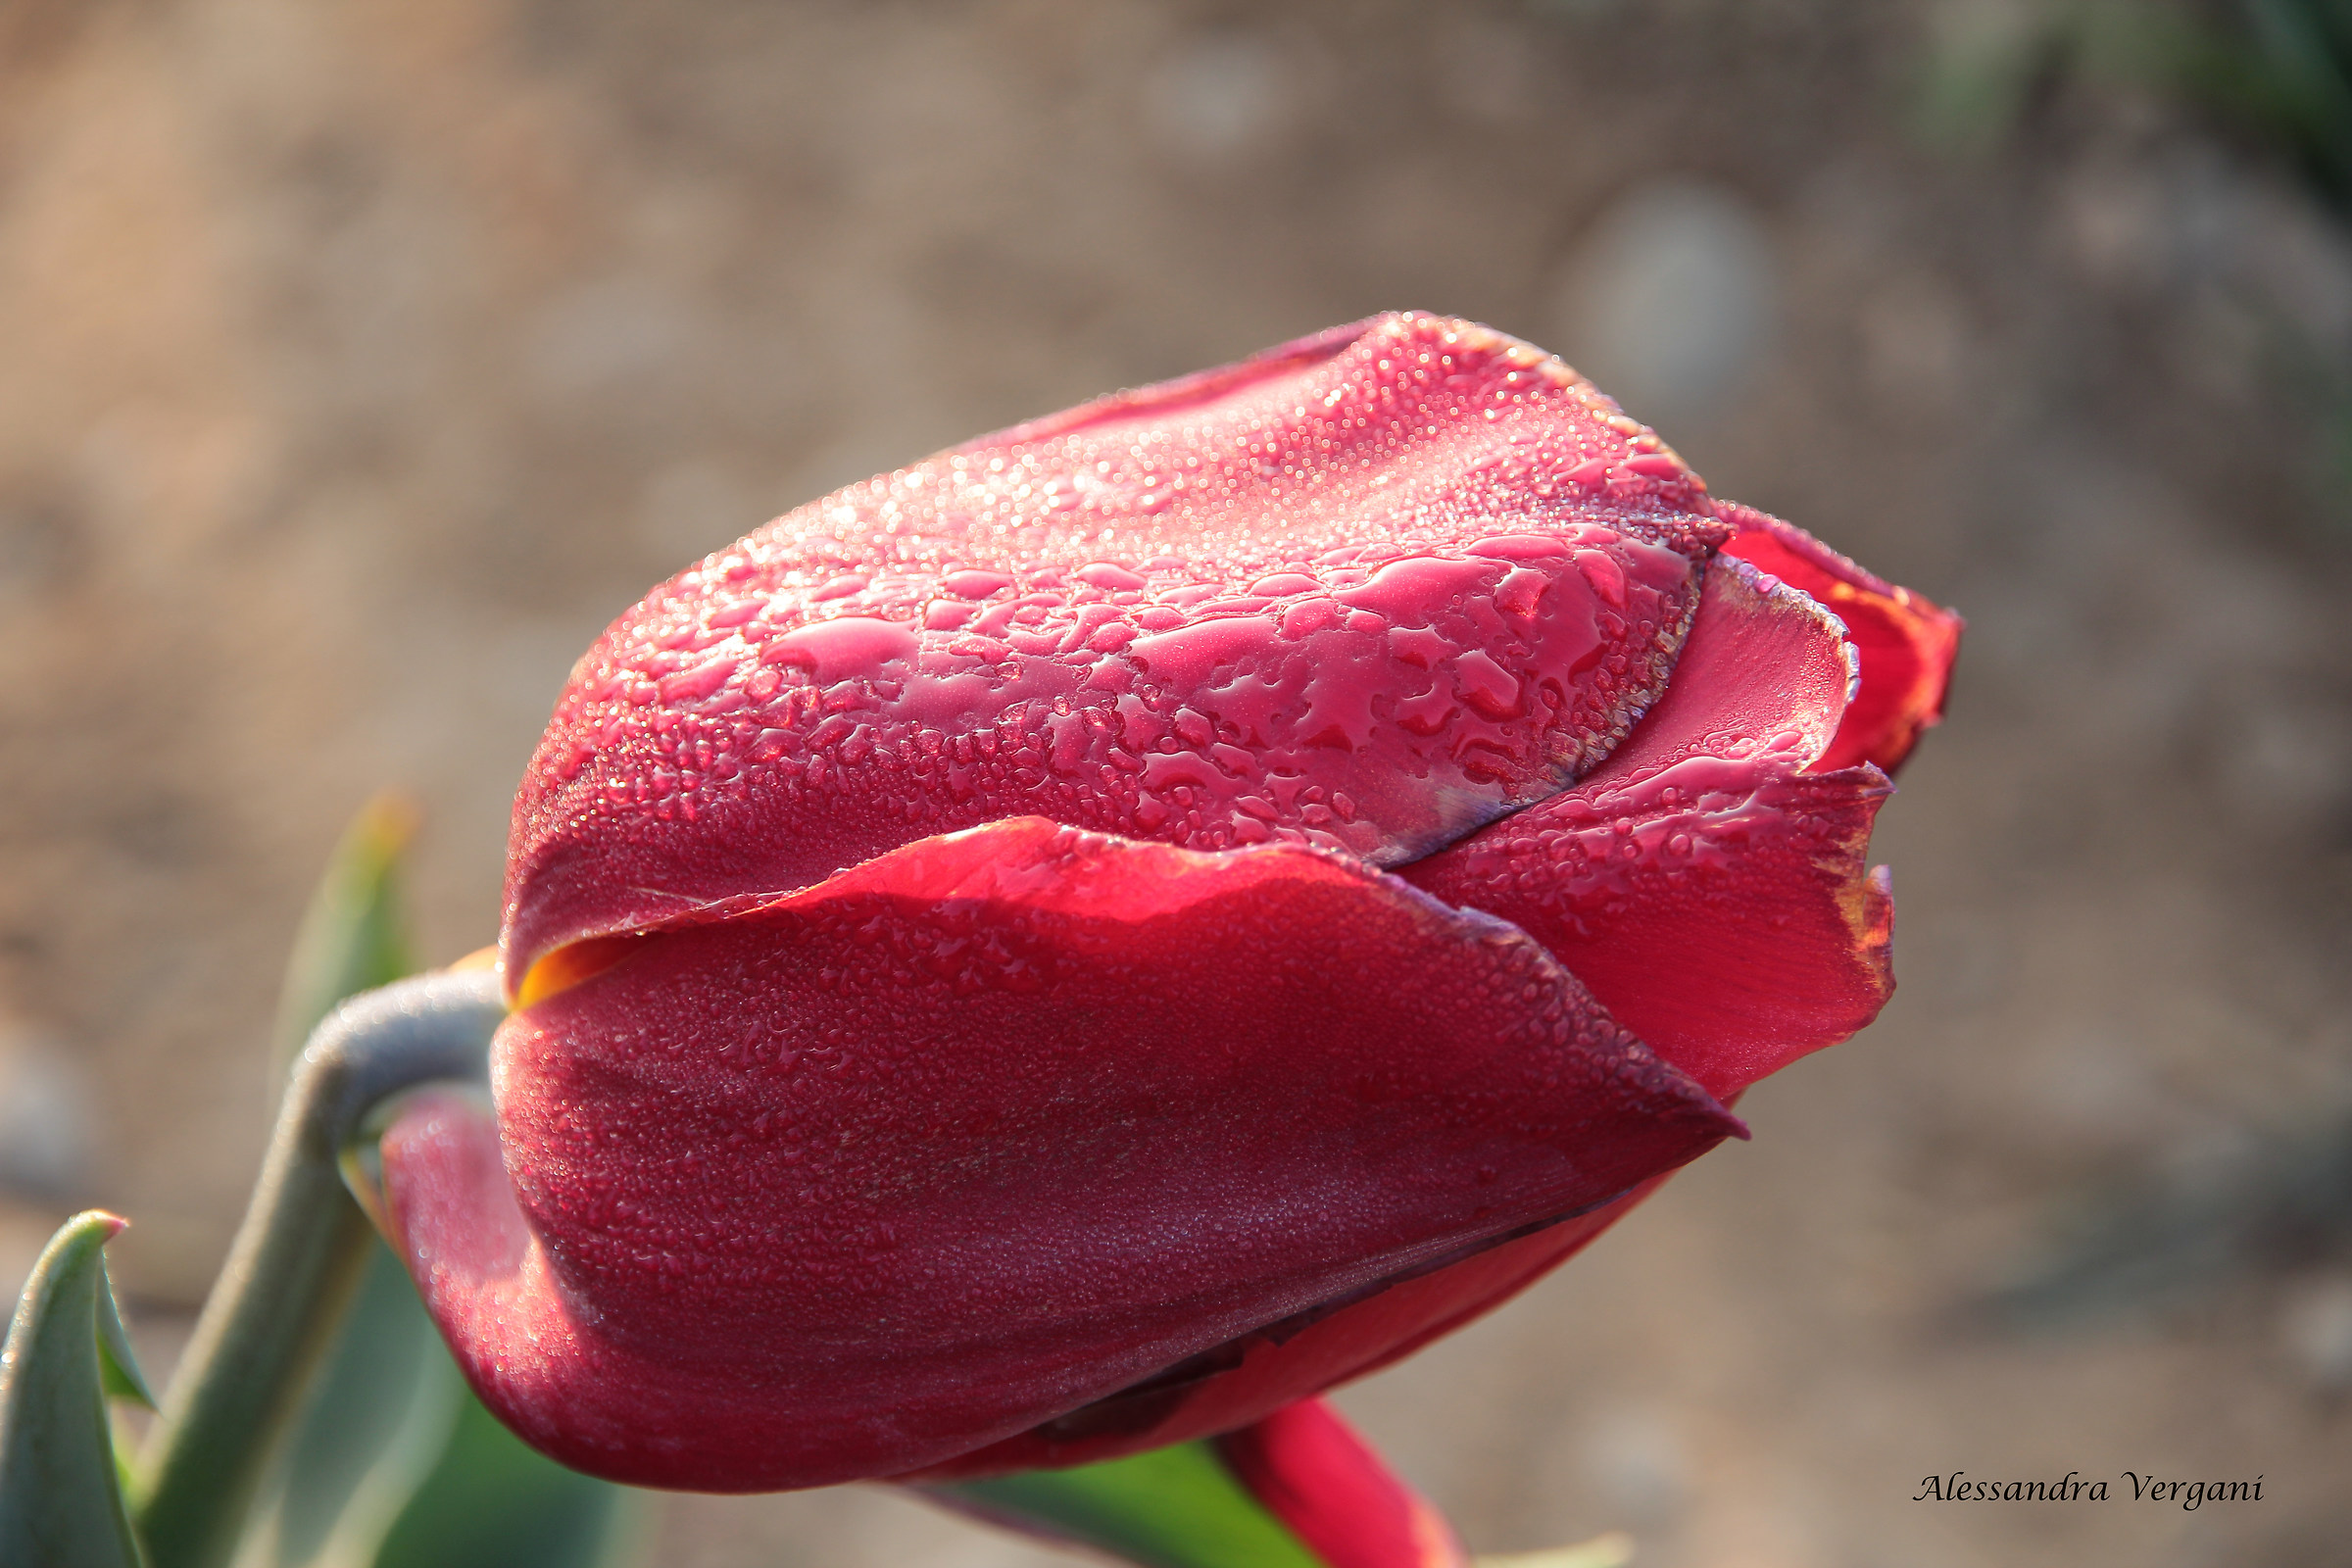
x: 1907, y: 641
x: 1710, y: 882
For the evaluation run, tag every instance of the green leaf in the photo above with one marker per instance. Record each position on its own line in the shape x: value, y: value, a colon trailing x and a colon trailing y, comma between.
x: 354, y: 936
x: 491, y: 1502
x: 1174, y: 1507
x: 61, y: 1492
x: 397, y: 1463
x: 394, y: 1459
x: 118, y: 1369
x: 387, y: 1395
x: 382, y: 1412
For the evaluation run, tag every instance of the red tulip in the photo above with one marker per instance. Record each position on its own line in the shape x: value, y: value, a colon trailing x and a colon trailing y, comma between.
x: 1082, y: 942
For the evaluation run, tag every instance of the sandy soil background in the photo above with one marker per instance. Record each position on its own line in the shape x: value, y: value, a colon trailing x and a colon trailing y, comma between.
x: 359, y: 362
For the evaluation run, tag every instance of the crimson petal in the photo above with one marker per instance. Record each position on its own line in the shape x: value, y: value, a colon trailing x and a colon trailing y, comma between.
x: 1907, y: 643
x: 1268, y: 1369
x: 989, y: 1127
x: 1707, y: 886
x: 1366, y: 591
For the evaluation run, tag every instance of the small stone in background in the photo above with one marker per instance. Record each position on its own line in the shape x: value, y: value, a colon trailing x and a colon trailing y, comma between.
x: 1915, y: 341
x: 1636, y: 1460
x: 619, y: 345
x: 2317, y: 1329
x: 1668, y: 303
x: 1218, y: 95
x: 1489, y: 71
x: 46, y: 1143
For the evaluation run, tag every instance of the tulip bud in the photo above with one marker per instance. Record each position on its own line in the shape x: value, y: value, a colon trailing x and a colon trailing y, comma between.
x: 1085, y: 941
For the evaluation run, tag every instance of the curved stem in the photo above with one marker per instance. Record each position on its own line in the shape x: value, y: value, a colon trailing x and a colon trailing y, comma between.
x: 295, y: 1262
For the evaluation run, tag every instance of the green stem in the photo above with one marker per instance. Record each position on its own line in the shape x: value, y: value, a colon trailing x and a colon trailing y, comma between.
x: 294, y: 1263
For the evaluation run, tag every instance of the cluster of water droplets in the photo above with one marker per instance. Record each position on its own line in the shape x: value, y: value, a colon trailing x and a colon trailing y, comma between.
x: 1367, y: 593
x: 1713, y: 806
x: 1579, y: 870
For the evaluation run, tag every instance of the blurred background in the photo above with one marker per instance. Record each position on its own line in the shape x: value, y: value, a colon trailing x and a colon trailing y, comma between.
x: 359, y: 362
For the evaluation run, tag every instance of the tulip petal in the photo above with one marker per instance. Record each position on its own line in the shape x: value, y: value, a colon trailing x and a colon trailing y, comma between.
x: 989, y: 1128
x: 1264, y: 1371
x: 1741, y: 931
x: 1707, y: 886
x: 1315, y: 1474
x: 1366, y: 591
x: 1907, y: 643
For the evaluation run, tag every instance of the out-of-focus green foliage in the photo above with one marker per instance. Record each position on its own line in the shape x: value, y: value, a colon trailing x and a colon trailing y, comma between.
x: 2278, y: 72
x: 2275, y: 76
x: 2285, y: 1205
x: 387, y: 1395
x: 490, y: 1502
x: 354, y: 936
x: 61, y: 1485
x: 376, y: 1425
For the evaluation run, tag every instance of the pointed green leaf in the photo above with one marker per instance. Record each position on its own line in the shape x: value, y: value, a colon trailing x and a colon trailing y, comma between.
x: 61, y: 1495
x: 382, y: 1411
x: 118, y: 1368
x: 386, y: 1397
x: 354, y: 936
x: 1174, y: 1507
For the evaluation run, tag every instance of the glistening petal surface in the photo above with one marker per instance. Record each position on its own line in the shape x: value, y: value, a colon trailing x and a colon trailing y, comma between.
x: 1907, y: 643
x: 989, y: 1127
x: 1365, y: 591
x: 1708, y: 884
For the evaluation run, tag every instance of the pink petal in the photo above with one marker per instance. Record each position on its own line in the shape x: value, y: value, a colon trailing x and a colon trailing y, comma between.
x: 1907, y: 643
x: 988, y: 1128
x: 1315, y: 1473
x: 1712, y: 892
x: 1366, y: 591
